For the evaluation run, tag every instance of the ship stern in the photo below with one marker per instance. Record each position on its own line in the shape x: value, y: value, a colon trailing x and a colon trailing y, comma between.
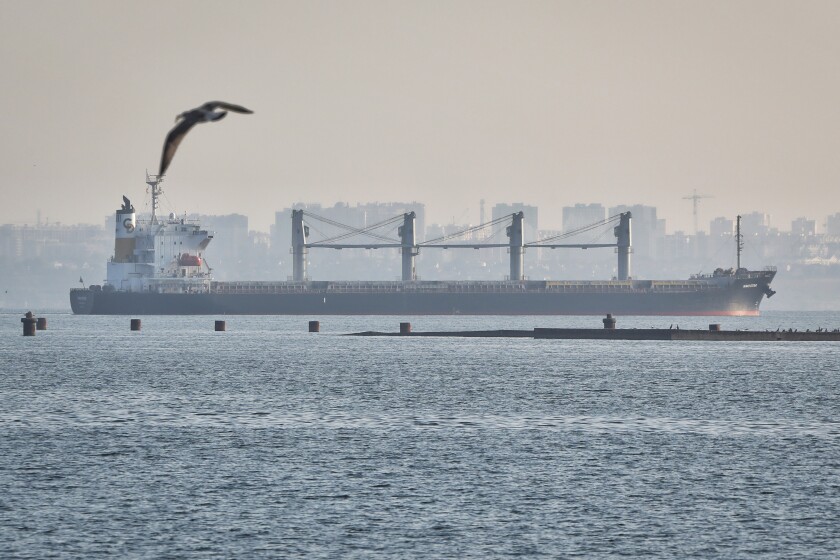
x: 81, y: 300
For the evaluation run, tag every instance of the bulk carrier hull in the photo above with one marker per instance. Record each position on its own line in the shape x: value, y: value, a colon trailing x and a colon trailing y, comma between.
x: 158, y: 269
x: 726, y: 295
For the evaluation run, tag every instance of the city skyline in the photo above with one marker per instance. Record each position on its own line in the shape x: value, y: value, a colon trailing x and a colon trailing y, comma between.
x: 449, y: 103
x: 824, y: 223
x: 39, y: 263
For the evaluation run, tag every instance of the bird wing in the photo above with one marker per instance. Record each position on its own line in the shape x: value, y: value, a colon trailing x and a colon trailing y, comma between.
x: 210, y: 105
x: 172, y: 140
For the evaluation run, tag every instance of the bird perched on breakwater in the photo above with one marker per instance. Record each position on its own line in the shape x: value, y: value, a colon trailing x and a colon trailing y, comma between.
x: 204, y: 113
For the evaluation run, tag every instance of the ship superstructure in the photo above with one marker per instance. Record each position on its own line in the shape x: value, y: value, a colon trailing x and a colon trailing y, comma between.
x: 157, y: 255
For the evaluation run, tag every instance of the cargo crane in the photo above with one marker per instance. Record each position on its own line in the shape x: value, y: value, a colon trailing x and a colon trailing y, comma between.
x: 410, y: 248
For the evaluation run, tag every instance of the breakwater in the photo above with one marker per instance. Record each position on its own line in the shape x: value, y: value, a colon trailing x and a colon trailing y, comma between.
x: 790, y: 335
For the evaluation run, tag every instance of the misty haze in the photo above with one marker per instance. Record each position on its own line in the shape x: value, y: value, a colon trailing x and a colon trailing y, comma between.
x: 42, y: 261
x: 462, y: 108
x: 419, y: 279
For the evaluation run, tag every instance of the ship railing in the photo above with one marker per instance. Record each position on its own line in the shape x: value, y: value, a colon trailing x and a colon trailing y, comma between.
x: 731, y: 273
x: 180, y: 286
x: 424, y: 287
x: 267, y: 287
x: 571, y: 286
x: 256, y: 287
x: 590, y: 287
x: 684, y: 285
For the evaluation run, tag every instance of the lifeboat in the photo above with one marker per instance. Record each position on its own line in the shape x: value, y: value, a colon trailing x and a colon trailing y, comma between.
x: 189, y: 260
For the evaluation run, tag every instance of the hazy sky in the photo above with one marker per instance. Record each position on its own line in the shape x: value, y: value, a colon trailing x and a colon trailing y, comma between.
x: 444, y: 102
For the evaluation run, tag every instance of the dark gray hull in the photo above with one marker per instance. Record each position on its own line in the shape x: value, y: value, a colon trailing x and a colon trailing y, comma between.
x: 707, y: 296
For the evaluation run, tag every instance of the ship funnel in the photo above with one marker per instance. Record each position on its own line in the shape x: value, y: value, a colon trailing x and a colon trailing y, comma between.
x: 125, y: 222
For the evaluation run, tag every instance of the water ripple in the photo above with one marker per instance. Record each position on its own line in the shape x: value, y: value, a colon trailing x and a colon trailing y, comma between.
x: 268, y: 442
x: 343, y: 420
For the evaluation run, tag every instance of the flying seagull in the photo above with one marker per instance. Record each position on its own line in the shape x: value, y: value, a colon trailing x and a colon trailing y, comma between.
x: 205, y: 113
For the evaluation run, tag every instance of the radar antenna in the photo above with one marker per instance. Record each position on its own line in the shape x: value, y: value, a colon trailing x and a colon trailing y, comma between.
x: 154, y: 181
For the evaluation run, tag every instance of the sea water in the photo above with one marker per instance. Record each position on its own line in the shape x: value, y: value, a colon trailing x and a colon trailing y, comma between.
x: 269, y: 441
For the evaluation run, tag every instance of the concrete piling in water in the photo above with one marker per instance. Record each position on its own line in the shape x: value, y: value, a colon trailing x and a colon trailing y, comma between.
x: 135, y: 324
x: 405, y: 328
x: 314, y: 326
x: 41, y: 324
x: 609, y: 322
x: 28, y: 324
x: 220, y: 326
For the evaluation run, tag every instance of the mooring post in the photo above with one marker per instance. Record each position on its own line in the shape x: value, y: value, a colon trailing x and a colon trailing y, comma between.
x: 28, y: 324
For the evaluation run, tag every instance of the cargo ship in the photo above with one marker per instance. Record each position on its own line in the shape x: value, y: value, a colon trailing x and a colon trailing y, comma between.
x: 158, y: 269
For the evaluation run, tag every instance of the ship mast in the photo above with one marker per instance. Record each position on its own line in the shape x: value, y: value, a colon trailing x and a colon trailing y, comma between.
x: 154, y: 181
x: 739, y: 241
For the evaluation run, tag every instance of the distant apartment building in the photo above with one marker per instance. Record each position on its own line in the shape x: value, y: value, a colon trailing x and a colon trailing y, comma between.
x: 803, y: 227
x: 55, y: 242
x: 437, y: 231
x: 755, y: 223
x: 531, y: 223
x: 226, y: 252
x: 832, y: 225
x: 647, y: 229
x: 721, y: 227
x: 679, y: 246
x: 580, y: 215
x: 39, y: 264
